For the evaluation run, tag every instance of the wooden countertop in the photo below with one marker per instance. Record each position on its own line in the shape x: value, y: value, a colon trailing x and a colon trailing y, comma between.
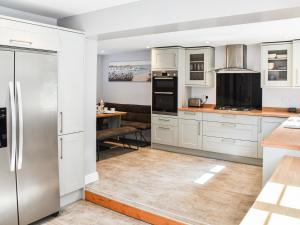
x: 279, y: 199
x: 107, y: 115
x: 267, y: 111
x: 282, y: 137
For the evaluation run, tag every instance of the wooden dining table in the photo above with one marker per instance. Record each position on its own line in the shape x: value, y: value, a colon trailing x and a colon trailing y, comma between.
x: 114, y: 118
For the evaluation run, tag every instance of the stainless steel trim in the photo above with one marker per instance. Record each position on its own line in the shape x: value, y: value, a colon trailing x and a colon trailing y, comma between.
x: 61, y: 122
x: 163, y: 93
x: 21, y: 130
x: 163, y: 78
x: 20, y: 42
x: 61, y: 148
x: 13, y: 127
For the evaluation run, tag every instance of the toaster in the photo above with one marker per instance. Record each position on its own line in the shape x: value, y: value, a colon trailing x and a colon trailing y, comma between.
x: 195, y: 102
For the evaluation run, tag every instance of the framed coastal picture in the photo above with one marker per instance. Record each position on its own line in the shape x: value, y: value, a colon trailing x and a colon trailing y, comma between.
x: 135, y: 71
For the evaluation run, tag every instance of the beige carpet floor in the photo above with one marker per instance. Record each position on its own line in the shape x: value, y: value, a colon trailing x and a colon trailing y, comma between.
x: 193, y: 189
x: 85, y: 213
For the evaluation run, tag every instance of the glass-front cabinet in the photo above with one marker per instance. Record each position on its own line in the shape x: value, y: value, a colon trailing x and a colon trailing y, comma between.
x: 277, y: 64
x: 200, y: 66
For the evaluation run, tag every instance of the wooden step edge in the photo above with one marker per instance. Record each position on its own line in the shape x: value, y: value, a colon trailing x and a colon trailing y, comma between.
x: 130, y: 211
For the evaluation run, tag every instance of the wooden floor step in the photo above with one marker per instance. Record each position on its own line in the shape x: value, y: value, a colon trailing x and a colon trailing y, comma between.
x: 129, y: 210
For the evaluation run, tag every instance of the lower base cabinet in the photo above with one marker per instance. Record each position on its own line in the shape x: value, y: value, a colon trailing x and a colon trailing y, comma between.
x: 190, y: 134
x: 230, y: 146
x: 164, y: 134
x: 71, y: 162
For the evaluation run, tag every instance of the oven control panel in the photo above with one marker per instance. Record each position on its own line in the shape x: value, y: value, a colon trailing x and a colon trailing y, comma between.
x: 3, y: 128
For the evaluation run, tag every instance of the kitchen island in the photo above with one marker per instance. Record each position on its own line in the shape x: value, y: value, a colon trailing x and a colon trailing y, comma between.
x: 281, y: 142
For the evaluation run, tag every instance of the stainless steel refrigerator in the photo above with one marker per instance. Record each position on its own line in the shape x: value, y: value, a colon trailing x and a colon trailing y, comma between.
x: 29, y: 184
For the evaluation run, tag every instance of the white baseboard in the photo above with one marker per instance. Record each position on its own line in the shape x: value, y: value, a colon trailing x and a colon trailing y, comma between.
x: 90, y: 178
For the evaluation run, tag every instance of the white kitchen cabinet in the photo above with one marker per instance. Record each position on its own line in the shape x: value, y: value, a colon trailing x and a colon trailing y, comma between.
x: 230, y: 130
x: 230, y: 146
x: 71, y: 162
x: 200, y: 66
x: 231, y: 118
x: 190, y: 134
x: 164, y: 58
x: 22, y: 34
x: 190, y: 115
x: 71, y: 83
x: 296, y: 63
x: 268, y: 125
x: 164, y: 130
x: 164, y: 134
x: 276, y: 64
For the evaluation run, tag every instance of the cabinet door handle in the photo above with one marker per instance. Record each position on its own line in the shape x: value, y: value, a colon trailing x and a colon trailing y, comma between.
x: 297, y: 77
x: 189, y: 113
x: 20, y: 42
x: 228, y: 125
x: 199, y: 128
x: 61, y: 122
x: 163, y: 119
x: 165, y: 128
x: 264, y: 78
x: 228, y: 140
x: 228, y: 116
x: 61, y: 148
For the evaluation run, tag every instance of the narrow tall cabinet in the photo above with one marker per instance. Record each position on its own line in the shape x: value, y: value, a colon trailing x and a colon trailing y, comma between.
x: 71, y: 115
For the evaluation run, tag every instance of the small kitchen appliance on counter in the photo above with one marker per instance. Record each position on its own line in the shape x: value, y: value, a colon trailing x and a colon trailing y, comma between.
x: 197, y: 102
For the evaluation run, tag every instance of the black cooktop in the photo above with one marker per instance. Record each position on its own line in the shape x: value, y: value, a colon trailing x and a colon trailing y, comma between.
x: 234, y: 108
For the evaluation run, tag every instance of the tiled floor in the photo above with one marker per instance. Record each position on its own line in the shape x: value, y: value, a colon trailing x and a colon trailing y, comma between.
x: 164, y: 183
x: 85, y: 213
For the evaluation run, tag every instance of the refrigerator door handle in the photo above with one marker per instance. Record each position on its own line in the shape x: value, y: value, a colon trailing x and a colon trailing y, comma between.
x: 13, y: 127
x: 21, y: 132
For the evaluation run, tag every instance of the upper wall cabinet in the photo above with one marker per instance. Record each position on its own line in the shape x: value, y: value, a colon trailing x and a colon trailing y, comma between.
x: 164, y: 59
x: 71, y: 83
x: 26, y: 35
x: 277, y: 64
x: 296, y: 63
x: 200, y: 65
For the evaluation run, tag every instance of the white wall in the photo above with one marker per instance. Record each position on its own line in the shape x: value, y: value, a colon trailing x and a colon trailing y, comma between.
x: 272, y: 97
x: 27, y: 16
x: 90, y: 104
x: 123, y: 92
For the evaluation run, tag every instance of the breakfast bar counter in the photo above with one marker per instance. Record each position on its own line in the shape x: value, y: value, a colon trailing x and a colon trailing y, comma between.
x: 278, y: 202
x: 283, y: 138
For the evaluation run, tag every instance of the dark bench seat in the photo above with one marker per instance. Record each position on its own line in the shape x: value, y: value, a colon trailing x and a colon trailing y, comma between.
x: 137, y: 125
x: 107, y: 134
x: 114, y: 132
x: 138, y: 116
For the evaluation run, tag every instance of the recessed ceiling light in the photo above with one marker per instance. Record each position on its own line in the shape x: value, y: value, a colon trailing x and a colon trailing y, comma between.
x: 102, y: 51
x: 148, y: 47
x: 207, y: 42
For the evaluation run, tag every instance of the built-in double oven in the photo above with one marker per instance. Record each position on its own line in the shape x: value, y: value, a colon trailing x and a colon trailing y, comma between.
x: 164, y: 92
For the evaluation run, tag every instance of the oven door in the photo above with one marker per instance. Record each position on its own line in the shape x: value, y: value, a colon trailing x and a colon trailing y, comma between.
x: 164, y: 84
x: 164, y: 103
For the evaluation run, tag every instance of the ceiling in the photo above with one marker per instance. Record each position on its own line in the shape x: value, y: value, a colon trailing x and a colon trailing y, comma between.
x: 61, y: 8
x: 281, y: 30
